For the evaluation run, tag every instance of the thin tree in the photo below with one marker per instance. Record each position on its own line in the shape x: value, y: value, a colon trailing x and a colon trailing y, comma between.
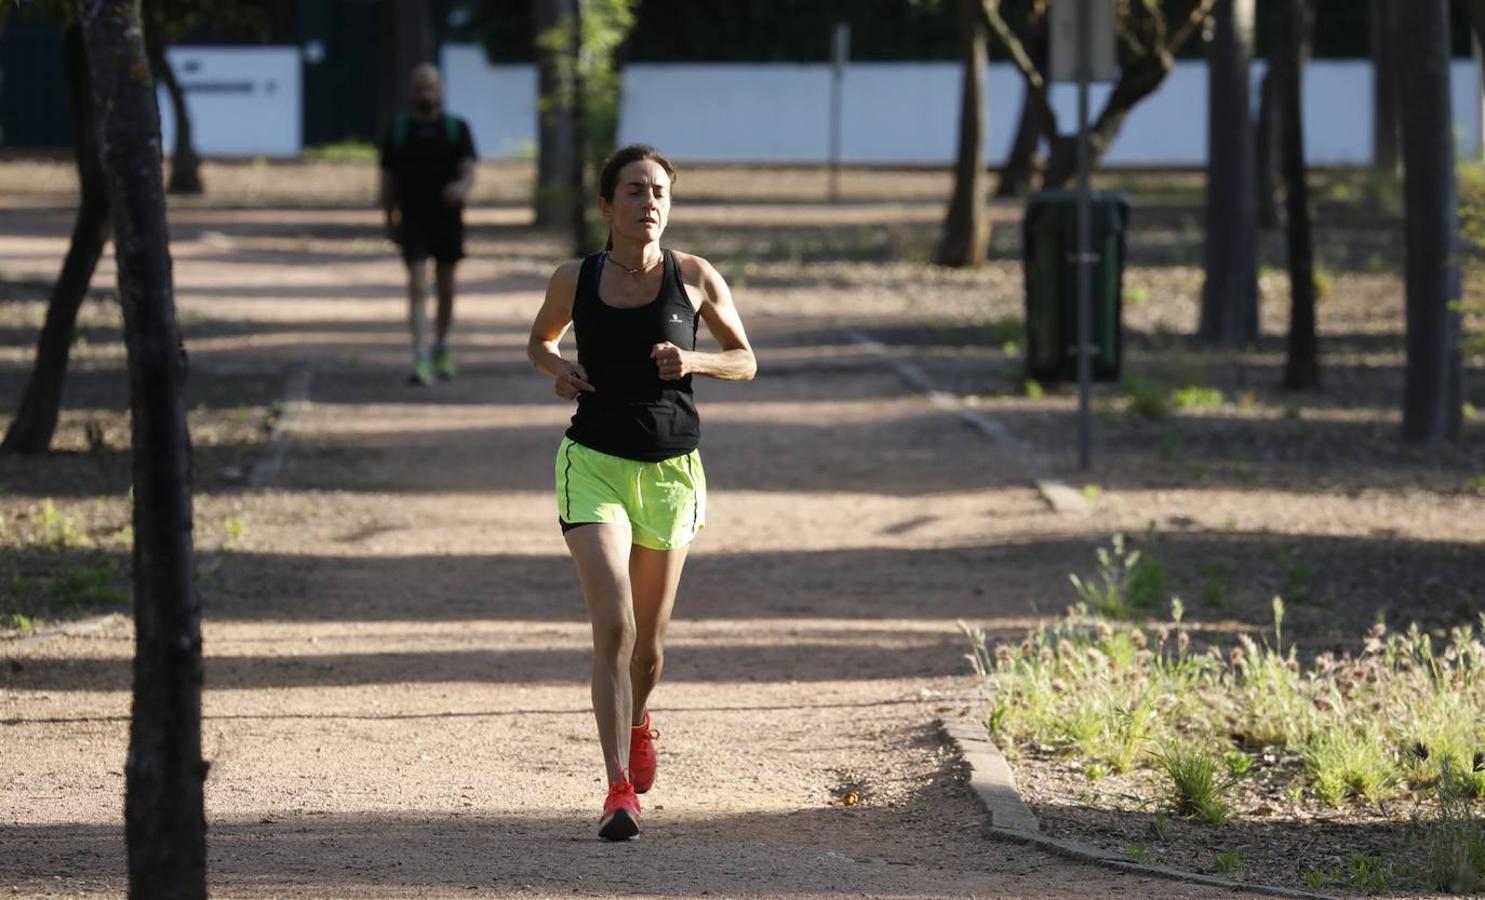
x: 1023, y: 163
x: 36, y: 419
x: 407, y: 41
x: 1432, y: 386
x: 1229, y: 303
x: 1477, y: 19
x: 966, y: 236
x: 1386, y: 154
x: 1266, y: 159
x: 1293, y: 24
x: 185, y: 163
x: 556, y: 150
x: 1147, y: 46
x: 165, y: 828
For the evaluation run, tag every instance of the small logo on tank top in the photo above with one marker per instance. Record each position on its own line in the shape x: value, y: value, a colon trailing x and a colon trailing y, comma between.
x: 675, y: 317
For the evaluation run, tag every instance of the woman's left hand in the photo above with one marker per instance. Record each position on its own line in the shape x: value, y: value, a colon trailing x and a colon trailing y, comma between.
x: 673, y: 362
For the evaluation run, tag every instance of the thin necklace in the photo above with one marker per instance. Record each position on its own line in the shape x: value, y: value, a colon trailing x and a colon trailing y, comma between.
x: 644, y: 267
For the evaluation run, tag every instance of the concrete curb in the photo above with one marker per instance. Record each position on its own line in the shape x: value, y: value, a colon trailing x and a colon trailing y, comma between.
x: 1061, y: 498
x: 992, y: 781
x: 79, y: 628
x: 296, y: 404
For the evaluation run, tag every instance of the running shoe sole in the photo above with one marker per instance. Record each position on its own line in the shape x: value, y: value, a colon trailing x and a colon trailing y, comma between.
x: 618, y: 827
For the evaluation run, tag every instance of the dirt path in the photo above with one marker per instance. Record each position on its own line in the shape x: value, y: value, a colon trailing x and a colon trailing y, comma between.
x: 396, y: 704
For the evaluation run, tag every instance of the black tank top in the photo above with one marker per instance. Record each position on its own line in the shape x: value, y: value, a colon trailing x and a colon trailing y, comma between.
x: 633, y: 413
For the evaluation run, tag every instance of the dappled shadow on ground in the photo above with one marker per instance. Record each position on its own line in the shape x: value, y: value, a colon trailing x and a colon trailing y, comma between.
x: 927, y: 845
x: 826, y: 851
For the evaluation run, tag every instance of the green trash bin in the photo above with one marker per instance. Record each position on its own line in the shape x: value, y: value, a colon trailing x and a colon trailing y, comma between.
x: 1049, y: 246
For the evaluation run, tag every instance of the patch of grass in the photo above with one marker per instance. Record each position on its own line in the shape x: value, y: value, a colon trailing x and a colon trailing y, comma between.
x: 1146, y: 399
x: 1226, y: 861
x: 1010, y: 333
x: 1345, y: 765
x: 1136, y: 295
x: 342, y: 151
x: 1194, y: 786
x: 1368, y: 873
x: 1237, y: 763
x: 1126, y: 581
x: 89, y: 586
x: 1033, y: 389
x: 1196, y: 397
x: 56, y: 530
x: 1455, y: 842
x: 1475, y: 485
x: 19, y: 622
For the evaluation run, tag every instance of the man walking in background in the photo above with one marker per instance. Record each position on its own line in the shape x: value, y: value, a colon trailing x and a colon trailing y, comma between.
x: 427, y: 163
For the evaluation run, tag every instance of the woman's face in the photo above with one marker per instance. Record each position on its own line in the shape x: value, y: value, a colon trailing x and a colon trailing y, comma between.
x: 641, y: 205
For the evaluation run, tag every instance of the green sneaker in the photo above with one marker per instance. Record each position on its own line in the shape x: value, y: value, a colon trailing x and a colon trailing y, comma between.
x: 422, y: 372
x: 443, y: 364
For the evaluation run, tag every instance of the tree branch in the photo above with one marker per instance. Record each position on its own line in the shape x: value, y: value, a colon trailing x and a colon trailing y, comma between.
x: 1036, y: 82
x: 1198, y: 17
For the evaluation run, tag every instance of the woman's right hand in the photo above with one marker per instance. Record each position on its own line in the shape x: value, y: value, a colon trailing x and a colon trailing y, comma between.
x: 571, y: 381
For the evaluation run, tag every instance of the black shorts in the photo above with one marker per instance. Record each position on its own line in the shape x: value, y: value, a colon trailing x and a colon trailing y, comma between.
x: 439, y: 235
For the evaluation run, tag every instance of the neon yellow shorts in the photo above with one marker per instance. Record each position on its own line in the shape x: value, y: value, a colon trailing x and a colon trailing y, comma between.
x: 663, y: 503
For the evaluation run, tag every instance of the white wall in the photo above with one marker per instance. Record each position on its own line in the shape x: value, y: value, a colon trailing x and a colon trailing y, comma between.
x: 247, y: 101
x: 244, y: 101
x: 906, y: 112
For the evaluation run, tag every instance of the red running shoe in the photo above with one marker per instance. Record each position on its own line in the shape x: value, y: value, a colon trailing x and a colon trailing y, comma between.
x: 620, y: 820
x: 642, y: 755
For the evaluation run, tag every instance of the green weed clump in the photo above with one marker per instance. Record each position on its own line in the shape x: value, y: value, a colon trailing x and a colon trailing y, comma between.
x: 1396, y: 721
x: 1127, y: 581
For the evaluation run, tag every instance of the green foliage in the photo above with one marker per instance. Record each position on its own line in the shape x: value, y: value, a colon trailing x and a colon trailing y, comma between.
x: 1194, y: 786
x: 1343, y: 764
x: 1010, y: 333
x: 1146, y: 399
x: 1237, y: 763
x: 1126, y: 581
x: 1154, y: 401
x: 343, y: 151
x: 89, y: 586
x: 55, y: 530
x: 1369, y: 873
x: 1456, y: 840
x: 1226, y: 861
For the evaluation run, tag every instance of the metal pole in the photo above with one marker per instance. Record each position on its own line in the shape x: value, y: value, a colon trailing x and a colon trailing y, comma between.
x: 839, y: 51
x: 1085, y: 237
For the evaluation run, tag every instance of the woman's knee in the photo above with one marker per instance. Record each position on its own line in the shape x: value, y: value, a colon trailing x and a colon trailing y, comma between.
x: 614, y: 638
x: 648, y: 657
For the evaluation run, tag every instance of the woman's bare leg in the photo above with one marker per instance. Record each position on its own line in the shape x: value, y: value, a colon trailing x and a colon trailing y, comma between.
x: 601, y: 553
x: 654, y: 576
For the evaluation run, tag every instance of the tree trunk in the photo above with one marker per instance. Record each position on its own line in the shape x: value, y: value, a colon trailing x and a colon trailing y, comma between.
x: 1386, y: 154
x: 555, y: 150
x: 1431, y: 395
x: 1022, y: 163
x: 36, y: 420
x: 1293, y: 25
x: 967, y: 227
x: 165, y: 828
x: 407, y: 41
x: 185, y: 165
x: 577, y: 194
x: 1229, y: 303
x: 1266, y: 160
x: 1477, y: 19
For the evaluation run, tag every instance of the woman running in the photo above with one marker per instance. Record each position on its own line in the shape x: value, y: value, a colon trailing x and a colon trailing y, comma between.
x: 631, y: 494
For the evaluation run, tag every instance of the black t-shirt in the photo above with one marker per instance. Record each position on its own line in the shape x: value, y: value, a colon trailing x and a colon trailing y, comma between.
x: 423, y: 158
